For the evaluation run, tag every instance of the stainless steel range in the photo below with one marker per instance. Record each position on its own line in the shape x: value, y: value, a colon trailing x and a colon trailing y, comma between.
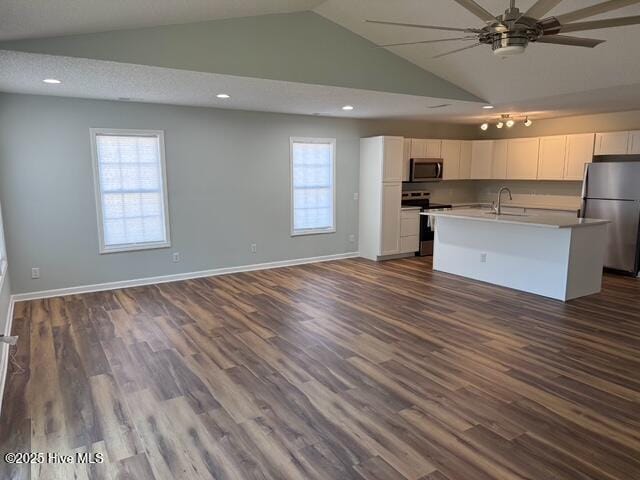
x: 421, y: 198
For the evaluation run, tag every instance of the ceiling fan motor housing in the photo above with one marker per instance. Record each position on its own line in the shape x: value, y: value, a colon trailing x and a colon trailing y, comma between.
x: 509, y: 43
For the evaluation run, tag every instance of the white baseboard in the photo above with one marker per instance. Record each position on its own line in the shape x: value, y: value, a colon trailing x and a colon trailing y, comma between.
x: 20, y: 297
x: 4, y: 356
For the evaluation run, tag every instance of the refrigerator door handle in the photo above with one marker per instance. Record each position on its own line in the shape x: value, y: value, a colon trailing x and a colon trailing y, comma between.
x: 584, y: 190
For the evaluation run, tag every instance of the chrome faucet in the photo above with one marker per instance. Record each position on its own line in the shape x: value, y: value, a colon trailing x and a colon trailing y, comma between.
x: 498, y: 209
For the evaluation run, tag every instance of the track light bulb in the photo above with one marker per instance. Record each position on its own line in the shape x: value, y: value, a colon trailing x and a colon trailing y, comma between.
x: 499, y: 125
x: 484, y: 126
x: 527, y: 122
x: 510, y: 123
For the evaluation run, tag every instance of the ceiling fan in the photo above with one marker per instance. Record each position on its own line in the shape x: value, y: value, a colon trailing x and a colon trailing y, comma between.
x: 511, y: 32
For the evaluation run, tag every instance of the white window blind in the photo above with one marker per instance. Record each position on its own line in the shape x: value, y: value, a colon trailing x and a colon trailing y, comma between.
x: 313, y: 185
x: 130, y: 189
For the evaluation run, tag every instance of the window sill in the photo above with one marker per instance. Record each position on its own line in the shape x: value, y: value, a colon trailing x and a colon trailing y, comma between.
x: 318, y: 231
x: 134, y: 247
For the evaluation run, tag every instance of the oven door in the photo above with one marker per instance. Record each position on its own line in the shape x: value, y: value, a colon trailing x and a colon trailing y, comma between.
x: 425, y: 170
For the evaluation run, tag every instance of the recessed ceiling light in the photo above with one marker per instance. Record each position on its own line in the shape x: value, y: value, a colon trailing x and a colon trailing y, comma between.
x: 223, y: 95
x: 51, y: 80
x: 348, y: 107
x: 487, y: 107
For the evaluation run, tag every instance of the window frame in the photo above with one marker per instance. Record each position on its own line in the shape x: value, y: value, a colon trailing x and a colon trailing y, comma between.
x: 97, y: 187
x: 313, y: 231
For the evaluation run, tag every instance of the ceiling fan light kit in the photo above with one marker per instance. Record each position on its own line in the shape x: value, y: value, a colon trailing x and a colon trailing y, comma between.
x: 510, y: 33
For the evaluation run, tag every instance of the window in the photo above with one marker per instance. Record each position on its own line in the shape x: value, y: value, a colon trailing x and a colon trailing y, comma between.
x: 131, y: 189
x: 313, y: 185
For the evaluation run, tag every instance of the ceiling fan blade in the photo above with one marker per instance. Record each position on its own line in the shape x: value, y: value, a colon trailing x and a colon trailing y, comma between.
x: 572, y: 41
x: 541, y: 8
x: 457, y: 50
x: 596, y: 24
x: 432, y: 27
x: 477, y: 10
x: 597, y: 9
x: 426, y: 41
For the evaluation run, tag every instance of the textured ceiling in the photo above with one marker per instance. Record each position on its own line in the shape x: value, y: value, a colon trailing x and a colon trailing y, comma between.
x: 85, y: 78
x: 543, y: 71
x: 43, y: 18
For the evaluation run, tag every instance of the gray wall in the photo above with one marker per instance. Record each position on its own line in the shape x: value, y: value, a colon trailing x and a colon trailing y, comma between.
x: 228, y: 179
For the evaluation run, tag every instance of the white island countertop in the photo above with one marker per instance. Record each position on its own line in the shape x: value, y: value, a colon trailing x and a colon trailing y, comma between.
x: 536, y: 220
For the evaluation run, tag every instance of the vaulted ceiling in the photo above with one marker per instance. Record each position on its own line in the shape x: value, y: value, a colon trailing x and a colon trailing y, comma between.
x: 547, y: 80
x: 550, y: 80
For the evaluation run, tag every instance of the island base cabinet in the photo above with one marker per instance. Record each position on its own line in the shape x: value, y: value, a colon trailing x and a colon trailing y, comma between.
x: 560, y: 263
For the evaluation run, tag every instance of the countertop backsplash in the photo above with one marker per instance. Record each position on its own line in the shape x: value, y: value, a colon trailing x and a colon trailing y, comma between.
x: 543, y: 194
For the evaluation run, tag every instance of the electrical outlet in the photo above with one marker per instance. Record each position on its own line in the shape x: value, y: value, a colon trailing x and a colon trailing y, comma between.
x: 35, y: 272
x: 176, y: 257
x: 483, y: 258
x: 356, y: 196
x: 254, y: 248
x: 352, y: 238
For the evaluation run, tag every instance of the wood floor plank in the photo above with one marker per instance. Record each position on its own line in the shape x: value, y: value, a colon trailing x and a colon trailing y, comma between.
x: 349, y: 370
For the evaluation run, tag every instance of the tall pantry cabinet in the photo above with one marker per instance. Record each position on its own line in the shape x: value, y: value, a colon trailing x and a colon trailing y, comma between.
x: 381, y: 173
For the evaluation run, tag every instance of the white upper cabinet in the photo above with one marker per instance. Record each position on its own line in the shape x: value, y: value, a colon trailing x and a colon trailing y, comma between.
x: 426, y: 148
x: 406, y: 160
x: 433, y: 148
x: 612, y: 143
x: 552, y: 157
x: 499, y: 163
x: 392, y: 159
x: 481, y: 159
x: 451, y: 159
x: 465, y: 160
x: 634, y: 142
x: 522, y: 161
x: 579, y: 153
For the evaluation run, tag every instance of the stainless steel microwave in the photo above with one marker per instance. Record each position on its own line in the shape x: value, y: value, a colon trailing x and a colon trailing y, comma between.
x: 426, y: 169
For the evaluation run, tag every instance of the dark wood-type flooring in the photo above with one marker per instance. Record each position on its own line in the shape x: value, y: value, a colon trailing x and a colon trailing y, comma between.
x: 339, y: 370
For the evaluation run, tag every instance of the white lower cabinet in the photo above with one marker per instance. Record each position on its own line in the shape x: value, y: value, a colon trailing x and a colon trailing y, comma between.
x: 409, y: 230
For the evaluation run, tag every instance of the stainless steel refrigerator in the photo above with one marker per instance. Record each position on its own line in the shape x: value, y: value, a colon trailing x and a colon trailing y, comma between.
x: 611, y: 190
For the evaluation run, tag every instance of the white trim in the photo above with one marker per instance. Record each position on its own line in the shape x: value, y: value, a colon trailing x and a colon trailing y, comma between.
x: 20, y: 297
x: 4, y: 356
x: 332, y: 142
x: 159, y: 134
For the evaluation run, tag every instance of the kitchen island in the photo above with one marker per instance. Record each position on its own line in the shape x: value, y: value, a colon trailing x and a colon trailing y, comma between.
x: 554, y: 256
